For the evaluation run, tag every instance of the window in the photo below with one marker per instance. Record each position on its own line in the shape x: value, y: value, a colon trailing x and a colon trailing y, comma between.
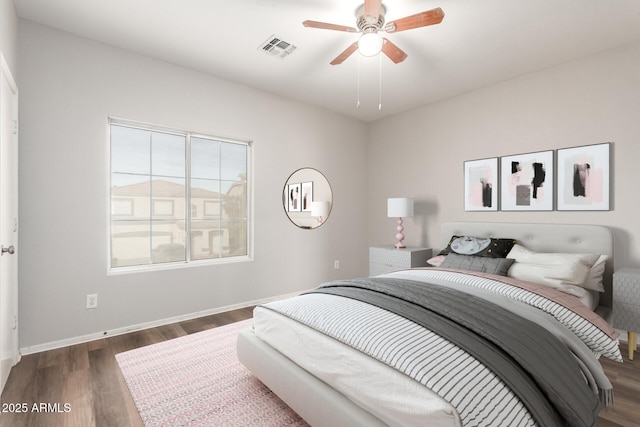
x: 176, y: 197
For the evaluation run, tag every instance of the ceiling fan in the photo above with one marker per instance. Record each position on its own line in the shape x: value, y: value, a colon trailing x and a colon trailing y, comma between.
x: 370, y: 22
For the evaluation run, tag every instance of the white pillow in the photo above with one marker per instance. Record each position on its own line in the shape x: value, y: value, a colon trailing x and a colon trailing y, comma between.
x: 551, y: 269
x: 596, y: 275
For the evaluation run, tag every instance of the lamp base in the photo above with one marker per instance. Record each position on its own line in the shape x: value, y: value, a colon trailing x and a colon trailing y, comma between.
x: 399, y: 235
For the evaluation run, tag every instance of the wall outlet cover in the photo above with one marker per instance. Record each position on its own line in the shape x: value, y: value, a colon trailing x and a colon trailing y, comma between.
x: 92, y: 301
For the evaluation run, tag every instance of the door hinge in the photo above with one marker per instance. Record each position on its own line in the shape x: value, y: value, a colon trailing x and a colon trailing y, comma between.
x: 15, y: 127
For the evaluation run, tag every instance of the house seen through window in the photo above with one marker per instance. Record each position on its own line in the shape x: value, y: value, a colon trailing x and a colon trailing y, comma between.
x: 176, y: 197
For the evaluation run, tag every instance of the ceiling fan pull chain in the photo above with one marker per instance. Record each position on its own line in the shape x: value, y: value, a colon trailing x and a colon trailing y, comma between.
x: 358, y: 90
x: 379, y: 82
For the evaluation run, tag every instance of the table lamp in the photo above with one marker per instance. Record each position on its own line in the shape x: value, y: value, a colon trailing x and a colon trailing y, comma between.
x: 320, y: 210
x: 399, y: 207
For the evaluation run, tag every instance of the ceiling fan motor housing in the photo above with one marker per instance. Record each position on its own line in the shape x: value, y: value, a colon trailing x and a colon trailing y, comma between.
x: 369, y: 24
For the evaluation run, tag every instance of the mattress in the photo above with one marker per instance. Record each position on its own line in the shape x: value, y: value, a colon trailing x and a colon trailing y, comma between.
x: 391, y: 396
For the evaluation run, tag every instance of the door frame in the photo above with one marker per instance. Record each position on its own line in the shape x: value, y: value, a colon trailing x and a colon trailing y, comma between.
x: 10, y: 355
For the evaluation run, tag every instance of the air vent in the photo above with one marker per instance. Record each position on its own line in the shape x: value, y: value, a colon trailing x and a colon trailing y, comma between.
x: 277, y: 47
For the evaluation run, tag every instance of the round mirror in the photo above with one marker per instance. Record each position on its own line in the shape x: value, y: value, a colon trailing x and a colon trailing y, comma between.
x: 307, y: 198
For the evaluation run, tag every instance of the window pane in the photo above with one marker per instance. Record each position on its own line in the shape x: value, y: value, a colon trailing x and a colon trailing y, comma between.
x: 130, y: 150
x: 205, y: 158
x: 235, y: 201
x: 168, y: 155
x: 234, y: 162
x: 129, y: 243
x: 205, y: 196
x: 168, y: 241
x: 169, y: 197
x: 130, y: 196
x: 205, y: 240
x: 234, y: 238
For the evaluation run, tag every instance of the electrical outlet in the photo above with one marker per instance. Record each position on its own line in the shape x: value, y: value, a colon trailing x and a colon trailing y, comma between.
x: 336, y: 264
x: 92, y: 301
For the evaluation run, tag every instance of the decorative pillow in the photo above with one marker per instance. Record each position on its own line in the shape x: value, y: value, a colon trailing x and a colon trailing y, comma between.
x: 499, y: 266
x: 436, y: 260
x: 551, y: 269
x: 479, y: 246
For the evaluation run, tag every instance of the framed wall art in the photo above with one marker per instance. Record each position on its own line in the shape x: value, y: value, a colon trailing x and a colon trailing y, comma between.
x: 584, y: 178
x: 480, y: 185
x: 293, y: 197
x: 526, y: 182
x: 306, y: 196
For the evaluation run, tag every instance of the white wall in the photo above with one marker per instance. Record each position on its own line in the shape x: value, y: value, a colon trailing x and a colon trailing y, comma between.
x: 589, y: 101
x: 69, y: 86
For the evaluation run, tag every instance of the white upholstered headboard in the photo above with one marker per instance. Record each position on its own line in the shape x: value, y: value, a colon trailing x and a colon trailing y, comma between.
x: 571, y: 238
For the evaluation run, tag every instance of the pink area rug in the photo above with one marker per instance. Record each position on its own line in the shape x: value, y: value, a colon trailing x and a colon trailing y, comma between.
x: 197, y: 380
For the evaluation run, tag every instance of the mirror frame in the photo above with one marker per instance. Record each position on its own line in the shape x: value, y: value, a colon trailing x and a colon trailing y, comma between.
x: 305, y: 180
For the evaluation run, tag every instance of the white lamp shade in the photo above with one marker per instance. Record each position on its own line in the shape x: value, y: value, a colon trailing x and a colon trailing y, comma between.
x: 320, y: 209
x: 399, y: 207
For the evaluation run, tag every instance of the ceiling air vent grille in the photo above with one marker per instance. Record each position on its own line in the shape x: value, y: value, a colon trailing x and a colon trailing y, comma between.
x: 277, y: 47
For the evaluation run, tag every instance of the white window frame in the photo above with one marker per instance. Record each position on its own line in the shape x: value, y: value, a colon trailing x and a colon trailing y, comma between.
x: 188, y: 263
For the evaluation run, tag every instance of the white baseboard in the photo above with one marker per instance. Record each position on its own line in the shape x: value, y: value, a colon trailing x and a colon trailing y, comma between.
x: 147, y: 325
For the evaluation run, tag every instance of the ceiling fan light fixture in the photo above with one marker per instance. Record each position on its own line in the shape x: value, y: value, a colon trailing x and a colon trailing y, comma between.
x: 370, y: 44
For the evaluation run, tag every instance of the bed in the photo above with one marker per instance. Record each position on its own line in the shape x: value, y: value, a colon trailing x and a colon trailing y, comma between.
x: 369, y: 372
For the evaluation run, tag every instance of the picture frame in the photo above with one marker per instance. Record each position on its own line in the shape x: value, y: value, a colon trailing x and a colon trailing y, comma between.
x: 527, y: 182
x: 293, y: 197
x: 481, y: 185
x: 584, y: 178
x: 306, y: 196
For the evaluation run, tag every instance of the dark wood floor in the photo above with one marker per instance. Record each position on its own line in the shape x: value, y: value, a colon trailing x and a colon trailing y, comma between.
x: 87, y: 377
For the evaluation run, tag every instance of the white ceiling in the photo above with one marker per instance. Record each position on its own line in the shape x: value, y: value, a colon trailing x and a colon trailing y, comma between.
x: 478, y: 43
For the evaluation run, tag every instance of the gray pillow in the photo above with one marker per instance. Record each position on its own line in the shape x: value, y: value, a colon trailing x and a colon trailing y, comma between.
x: 498, y: 266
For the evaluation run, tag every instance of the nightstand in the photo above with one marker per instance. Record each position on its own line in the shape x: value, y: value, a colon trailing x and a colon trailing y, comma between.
x: 385, y: 259
x: 626, y: 304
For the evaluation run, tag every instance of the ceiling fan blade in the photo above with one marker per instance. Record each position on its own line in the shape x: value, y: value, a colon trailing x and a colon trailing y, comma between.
x: 393, y: 52
x: 372, y: 8
x: 422, y: 19
x: 327, y: 26
x: 345, y: 54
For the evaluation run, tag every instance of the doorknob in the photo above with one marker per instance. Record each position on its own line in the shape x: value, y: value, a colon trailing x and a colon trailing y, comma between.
x: 10, y: 250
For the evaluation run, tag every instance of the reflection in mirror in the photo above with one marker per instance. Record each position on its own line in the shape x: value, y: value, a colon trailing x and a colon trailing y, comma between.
x: 307, y: 198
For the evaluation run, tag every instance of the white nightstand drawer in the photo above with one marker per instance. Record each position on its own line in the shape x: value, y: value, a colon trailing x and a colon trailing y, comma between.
x: 385, y: 259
